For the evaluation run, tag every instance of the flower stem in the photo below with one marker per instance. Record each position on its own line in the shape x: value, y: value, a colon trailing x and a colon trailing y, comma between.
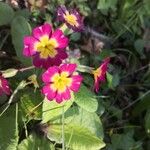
x: 34, y: 108
x: 21, y: 85
x: 25, y: 69
x: 63, y: 134
x: 87, y: 69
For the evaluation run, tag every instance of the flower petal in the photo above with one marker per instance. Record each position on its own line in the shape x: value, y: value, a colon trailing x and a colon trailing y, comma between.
x: 40, y: 31
x: 46, y: 63
x: 76, y: 83
x: 60, y: 38
x: 100, y: 74
x: 66, y: 95
x: 70, y: 68
x: 4, y: 86
x: 61, y: 54
x: 60, y: 12
x: 48, y: 92
x: 47, y: 76
x: 58, y: 97
x: 29, y: 43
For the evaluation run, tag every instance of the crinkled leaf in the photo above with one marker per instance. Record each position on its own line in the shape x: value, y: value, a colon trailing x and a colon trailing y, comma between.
x: 90, y: 120
x: 30, y: 104
x: 51, y: 109
x: 33, y: 142
x: 6, y: 14
x: 76, y: 137
x: 86, y: 99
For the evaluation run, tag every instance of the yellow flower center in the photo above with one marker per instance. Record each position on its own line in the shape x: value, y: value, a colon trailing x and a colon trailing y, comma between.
x: 61, y: 82
x: 71, y: 19
x: 97, y: 73
x: 47, y: 47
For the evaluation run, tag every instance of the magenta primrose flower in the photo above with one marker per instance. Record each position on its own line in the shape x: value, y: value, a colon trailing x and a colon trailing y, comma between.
x: 4, y: 86
x: 71, y: 17
x: 100, y: 73
x: 46, y: 47
x: 60, y: 82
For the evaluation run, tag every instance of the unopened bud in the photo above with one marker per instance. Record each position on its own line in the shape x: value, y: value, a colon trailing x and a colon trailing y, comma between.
x: 33, y: 79
x: 22, y: 84
x: 9, y: 73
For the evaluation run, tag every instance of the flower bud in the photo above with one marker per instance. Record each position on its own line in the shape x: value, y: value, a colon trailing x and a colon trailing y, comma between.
x: 9, y: 73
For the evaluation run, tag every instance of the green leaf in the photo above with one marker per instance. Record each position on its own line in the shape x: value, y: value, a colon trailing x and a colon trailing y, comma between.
x: 142, y: 105
x: 20, y: 28
x: 101, y: 108
x: 75, y: 36
x: 86, y: 99
x: 6, y: 14
x: 9, y: 129
x: 81, y: 117
x: 113, y: 80
x: 84, y: 8
x: 24, y: 13
x: 76, y: 137
x: 105, y: 5
x: 33, y: 142
x: 124, y: 142
x: 115, y: 111
x: 30, y: 104
x: 147, y: 122
x: 110, y: 80
x: 51, y: 109
x: 104, y: 54
x: 139, y: 46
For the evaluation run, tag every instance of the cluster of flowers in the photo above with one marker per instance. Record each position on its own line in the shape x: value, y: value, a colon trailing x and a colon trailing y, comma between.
x: 47, y: 48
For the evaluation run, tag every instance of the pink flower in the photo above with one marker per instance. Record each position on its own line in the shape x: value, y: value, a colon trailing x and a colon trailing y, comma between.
x: 4, y: 86
x: 100, y: 73
x: 60, y: 82
x: 71, y: 17
x: 46, y: 47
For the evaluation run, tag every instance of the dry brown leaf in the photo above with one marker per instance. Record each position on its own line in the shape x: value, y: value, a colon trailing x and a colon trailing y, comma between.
x: 92, y: 45
x: 37, y: 4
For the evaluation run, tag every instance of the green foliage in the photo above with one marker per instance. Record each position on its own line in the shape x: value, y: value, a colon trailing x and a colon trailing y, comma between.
x: 143, y: 105
x: 90, y: 120
x: 24, y: 13
x: 105, y: 5
x: 30, y: 105
x: 51, y: 109
x: 20, y: 28
x: 6, y: 14
x: 9, y: 129
x: 124, y: 142
x: 76, y: 137
x: 113, y: 80
x: 147, y: 122
x: 33, y: 142
x: 139, y: 46
x: 75, y: 36
x: 86, y: 99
